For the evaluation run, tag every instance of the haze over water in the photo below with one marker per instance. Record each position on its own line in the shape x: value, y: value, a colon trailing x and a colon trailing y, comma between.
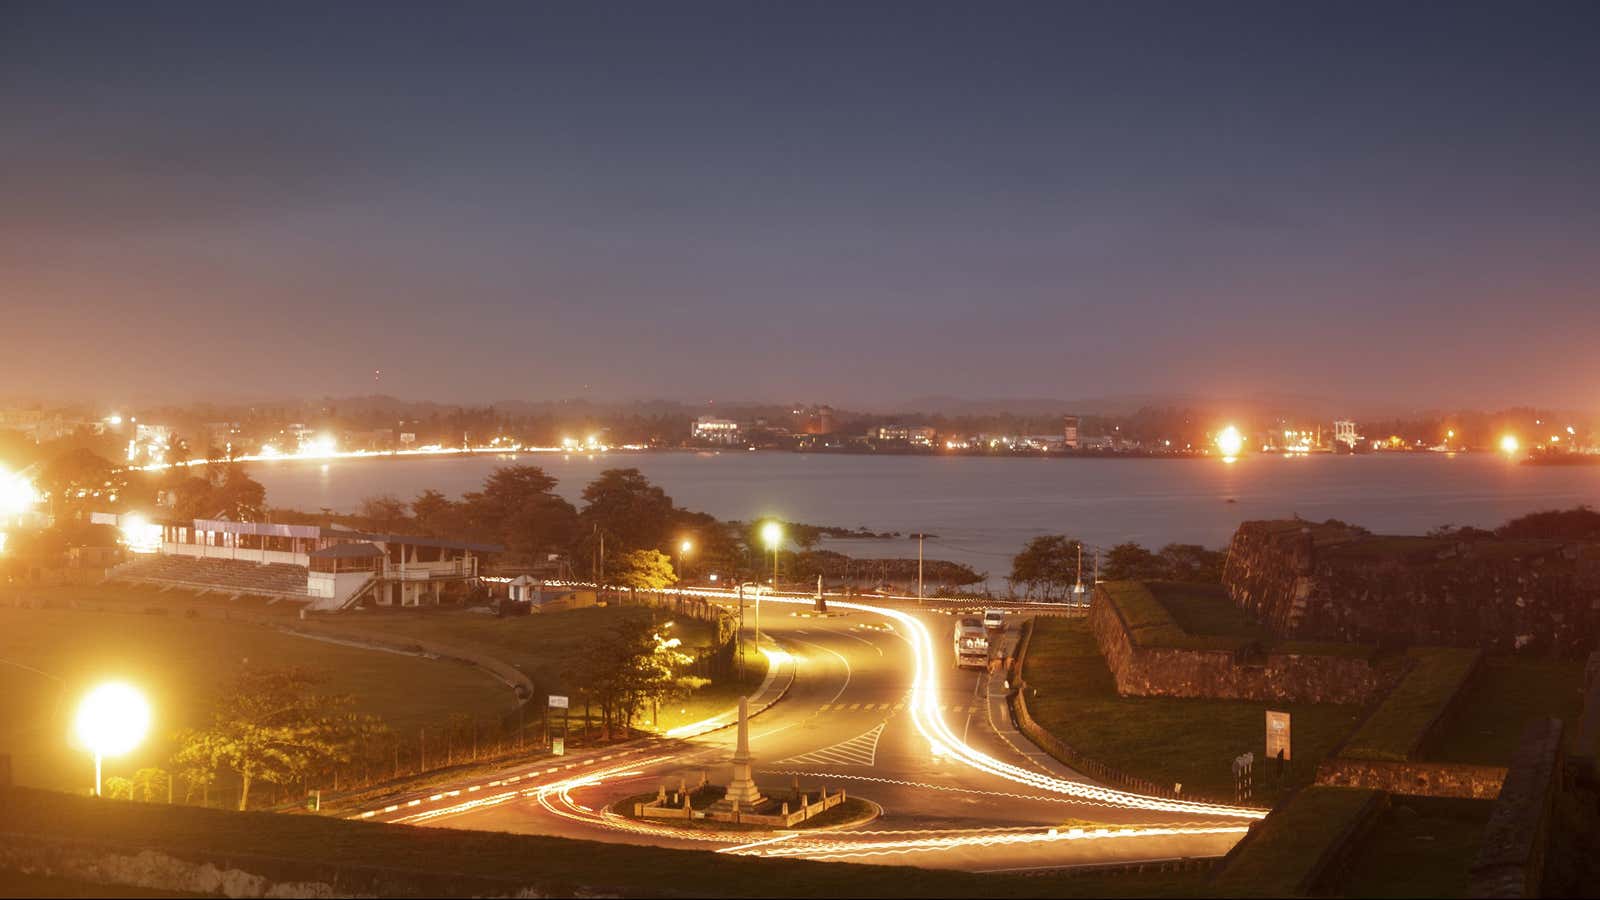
x: 983, y: 509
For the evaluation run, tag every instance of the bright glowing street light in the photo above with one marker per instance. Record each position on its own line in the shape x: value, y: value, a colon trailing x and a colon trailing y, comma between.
x: 1509, y: 445
x: 1230, y: 441
x: 17, y: 494
x: 684, y: 547
x: 112, y: 720
x: 772, y: 536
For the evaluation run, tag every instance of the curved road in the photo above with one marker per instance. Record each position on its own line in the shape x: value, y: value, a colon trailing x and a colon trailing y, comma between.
x: 876, y: 708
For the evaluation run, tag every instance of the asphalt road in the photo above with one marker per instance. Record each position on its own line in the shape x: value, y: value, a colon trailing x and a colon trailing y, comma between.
x: 848, y: 721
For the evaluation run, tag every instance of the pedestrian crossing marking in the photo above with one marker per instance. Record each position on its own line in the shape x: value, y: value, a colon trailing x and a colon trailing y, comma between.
x: 861, y: 750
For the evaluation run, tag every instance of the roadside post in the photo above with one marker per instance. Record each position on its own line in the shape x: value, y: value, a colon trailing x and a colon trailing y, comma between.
x: 558, y: 746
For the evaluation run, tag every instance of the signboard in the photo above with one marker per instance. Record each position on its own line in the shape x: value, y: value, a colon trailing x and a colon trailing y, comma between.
x: 1277, y: 734
x: 558, y: 746
x: 558, y: 702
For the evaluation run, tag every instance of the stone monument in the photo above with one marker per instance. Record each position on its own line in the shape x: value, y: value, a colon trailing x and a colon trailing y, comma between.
x: 742, y: 789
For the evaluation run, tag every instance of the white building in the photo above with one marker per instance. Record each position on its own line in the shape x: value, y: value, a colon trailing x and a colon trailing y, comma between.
x: 716, y: 431
x: 1344, y: 432
x: 919, y: 435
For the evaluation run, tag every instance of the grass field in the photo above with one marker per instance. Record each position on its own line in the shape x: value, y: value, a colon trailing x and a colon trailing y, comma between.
x: 1422, y: 847
x: 1506, y: 694
x: 1281, y: 853
x: 1161, y: 739
x: 50, y: 657
x: 544, y: 646
x: 1397, y: 727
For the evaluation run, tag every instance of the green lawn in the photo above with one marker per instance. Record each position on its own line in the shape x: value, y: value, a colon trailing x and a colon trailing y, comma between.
x: 542, y: 645
x: 1422, y: 847
x: 50, y: 657
x: 1507, y: 693
x: 1161, y: 739
x: 438, y: 861
x: 1281, y: 852
x: 1397, y: 727
x: 1189, y: 616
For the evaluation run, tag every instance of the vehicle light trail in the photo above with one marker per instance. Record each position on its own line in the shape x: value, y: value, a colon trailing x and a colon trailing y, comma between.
x: 924, y: 707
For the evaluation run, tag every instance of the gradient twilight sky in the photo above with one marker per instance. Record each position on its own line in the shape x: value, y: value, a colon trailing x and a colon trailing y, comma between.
x: 853, y: 203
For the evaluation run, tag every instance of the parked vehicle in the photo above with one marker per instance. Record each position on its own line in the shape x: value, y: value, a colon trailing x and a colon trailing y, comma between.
x: 971, y: 643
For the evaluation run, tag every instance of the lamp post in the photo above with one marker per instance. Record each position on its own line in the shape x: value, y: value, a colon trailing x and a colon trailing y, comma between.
x: 683, y: 555
x: 112, y: 720
x: 772, y: 535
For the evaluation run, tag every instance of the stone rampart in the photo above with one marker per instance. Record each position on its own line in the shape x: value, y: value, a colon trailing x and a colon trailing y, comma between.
x: 1334, y: 582
x: 1416, y: 779
x: 1143, y: 671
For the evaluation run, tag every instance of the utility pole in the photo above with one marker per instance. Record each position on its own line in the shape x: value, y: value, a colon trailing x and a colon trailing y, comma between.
x: 1077, y: 588
x: 741, y: 629
x: 920, y: 537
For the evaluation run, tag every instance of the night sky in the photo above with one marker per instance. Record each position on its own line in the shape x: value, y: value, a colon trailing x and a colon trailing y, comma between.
x: 838, y: 202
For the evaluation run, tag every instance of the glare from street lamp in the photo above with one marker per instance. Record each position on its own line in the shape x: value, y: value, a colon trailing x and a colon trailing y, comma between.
x: 772, y: 535
x: 1230, y: 441
x: 17, y: 494
x: 685, y: 547
x: 113, y: 719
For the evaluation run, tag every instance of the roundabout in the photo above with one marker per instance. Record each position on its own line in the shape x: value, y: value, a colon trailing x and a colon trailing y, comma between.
x: 874, y: 708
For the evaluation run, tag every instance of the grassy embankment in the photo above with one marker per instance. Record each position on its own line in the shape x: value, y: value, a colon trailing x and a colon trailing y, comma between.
x: 549, y: 866
x: 545, y: 647
x: 1281, y: 854
x: 1163, y: 739
x: 51, y: 657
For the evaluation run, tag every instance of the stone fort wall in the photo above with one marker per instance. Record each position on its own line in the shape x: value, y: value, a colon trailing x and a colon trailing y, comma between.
x: 1333, y: 582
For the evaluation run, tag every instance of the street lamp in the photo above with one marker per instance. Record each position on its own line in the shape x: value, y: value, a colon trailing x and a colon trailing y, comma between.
x: 112, y: 720
x: 683, y: 554
x: 772, y: 535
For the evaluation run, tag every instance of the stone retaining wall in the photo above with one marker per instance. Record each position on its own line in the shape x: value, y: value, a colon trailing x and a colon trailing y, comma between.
x: 1417, y: 779
x: 1511, y: 858
x: 1219, y: 674
x: 1330, y: 581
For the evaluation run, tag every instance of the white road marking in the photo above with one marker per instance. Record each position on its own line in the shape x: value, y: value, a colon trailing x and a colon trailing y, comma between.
x: 861, y: 750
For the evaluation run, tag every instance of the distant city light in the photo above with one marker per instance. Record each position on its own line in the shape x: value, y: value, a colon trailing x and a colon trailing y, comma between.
x: 1509, y: 444
x: 1230, y: 441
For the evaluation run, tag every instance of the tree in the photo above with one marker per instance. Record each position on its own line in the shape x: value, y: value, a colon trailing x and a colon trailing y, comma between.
x: 1193, y: 563
x: 1132, y: 562
x: 1048, y: 563
x: 435, y: 514
x: 238, y: 496
x: 643, y: 570
x: 518, y: 506
x: 80, y: 475
x: 271, y: 726
x: 631, y: 512
x: 384, y: 512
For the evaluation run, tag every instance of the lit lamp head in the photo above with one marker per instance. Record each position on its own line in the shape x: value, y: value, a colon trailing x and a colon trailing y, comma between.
x: 685, y: 547
x: 17, y: 494
x: 112, y: 720
x: 772, y: 535
x: 1230, y: 441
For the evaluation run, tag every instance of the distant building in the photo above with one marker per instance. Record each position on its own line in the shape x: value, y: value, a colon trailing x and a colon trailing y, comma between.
x: 815, y: 420
x: 1344, y: 432
x: 1069, y: 432
x: 713, y: 430
x: 919, y: 435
